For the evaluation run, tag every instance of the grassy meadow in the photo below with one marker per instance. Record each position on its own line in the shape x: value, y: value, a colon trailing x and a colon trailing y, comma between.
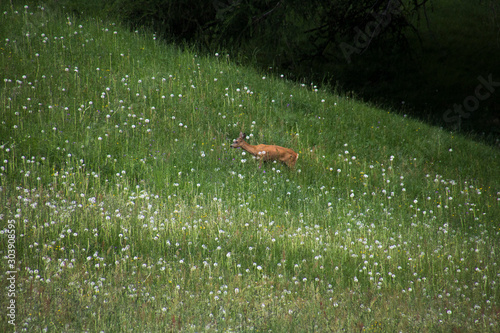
x: 131, y: 212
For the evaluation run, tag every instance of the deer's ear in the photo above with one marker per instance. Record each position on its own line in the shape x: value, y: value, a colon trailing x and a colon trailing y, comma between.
x: 243, y: 135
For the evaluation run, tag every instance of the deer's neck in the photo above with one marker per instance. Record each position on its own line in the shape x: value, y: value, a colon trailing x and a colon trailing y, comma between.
x: 249, y: 148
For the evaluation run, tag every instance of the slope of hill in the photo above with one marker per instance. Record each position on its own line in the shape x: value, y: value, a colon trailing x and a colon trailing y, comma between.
x: 131, y: 212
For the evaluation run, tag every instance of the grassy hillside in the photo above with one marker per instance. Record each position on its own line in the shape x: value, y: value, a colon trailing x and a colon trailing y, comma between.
x: 131, y: 212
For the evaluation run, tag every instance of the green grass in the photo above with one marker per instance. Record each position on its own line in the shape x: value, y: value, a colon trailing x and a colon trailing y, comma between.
x: 131, y: 212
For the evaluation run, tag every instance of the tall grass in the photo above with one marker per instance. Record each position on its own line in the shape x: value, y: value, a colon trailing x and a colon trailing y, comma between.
x: 131, y: 212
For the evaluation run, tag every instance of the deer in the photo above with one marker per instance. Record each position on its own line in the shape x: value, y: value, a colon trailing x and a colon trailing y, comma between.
x: 267, y: 152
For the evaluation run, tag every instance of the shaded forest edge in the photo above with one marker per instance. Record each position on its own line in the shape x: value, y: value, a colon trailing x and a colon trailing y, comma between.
x: 434, y: 61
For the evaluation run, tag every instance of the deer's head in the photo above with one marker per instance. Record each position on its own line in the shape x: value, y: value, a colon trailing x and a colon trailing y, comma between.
x: 237, y: 142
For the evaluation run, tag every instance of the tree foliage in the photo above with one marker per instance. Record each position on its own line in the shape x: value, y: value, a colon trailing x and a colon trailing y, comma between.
x: 305, y: 26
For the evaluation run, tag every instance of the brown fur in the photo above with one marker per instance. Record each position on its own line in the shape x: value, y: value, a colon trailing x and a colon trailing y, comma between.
x: 267, y: 152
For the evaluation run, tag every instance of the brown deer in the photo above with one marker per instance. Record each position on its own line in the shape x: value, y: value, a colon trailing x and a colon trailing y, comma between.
x: 267, y: 152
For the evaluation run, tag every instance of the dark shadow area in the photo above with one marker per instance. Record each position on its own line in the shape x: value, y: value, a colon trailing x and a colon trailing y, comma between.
x: 449, y: 76
x: 438, y: 61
